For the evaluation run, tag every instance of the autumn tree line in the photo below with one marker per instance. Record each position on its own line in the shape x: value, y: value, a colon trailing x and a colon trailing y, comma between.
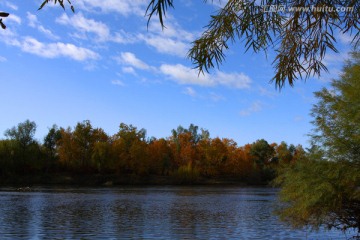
x: 186, y: 156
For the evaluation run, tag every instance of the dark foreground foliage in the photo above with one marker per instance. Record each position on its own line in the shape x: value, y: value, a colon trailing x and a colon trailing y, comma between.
x: 325, y: 190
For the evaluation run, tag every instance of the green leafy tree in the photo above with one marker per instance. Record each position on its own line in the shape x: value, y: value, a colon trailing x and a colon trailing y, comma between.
x: 337, y: 115
x: 321, y: 193
x: 65, y: 149
x: 285, y: 153
x: 25, y: 149
x: 262, y: 152
x: 125, y: 148
x: 325, y: 190
x: 83, y: 139
x: 101, y: 157
x: 9, y: 152
x: 50, y: 144
x: 23, y: 135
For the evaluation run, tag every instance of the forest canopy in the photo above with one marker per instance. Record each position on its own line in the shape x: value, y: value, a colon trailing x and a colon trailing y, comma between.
x: 186, y: 156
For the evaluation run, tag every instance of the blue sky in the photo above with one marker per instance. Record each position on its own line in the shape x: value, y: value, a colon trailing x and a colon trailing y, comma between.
x: 102, y: 64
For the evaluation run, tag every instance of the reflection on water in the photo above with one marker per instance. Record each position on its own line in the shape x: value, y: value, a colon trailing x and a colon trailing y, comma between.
x: 145, y: 213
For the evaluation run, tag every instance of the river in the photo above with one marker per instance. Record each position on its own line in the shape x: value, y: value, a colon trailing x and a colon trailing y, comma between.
x: 146, y: 213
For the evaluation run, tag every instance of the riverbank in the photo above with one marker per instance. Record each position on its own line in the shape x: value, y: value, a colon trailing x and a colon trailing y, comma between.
x: 114, y: 180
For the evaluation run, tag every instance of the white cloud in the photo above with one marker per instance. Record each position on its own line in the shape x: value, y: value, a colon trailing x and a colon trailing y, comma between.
x: 345, y: 38
x: 9, y: 37
x: 299, y: 118
x: 173, y: 39
x: 333, y: 62
x: 216, y: 97
x: 54, y: 50
x: 82, y: 24
x: 190, y: 91
x: 3, y: 59
x: 14, y: 18
x: 233, y: 80
x: 185, y: 75
x: 172, y: 30
x: 218, y: 3
x: 265, y: 92
x: 102, y: 32
x: 123, y: 7
x: 123, y: 37
x: 254, y: 107
x: 32, y: 20
x: 34, y: 23
x: 118, y: 83
x: 11, y: 5
x: 332, y: 58
x: 130, y: 59
x: 166, y: 45
x: 47, y: 32
x: 129, y: 70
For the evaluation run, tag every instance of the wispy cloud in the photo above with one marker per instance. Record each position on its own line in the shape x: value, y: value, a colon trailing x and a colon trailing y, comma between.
x: 14, y: 18
x: 123, y: 7
x: 334, y: 63
x: 172, y: 39
x: 54, y: 50
x: 128, y: 70
x: 100, y: 30
x: 130, y: 59
x: 32, y: 20
x: 172, y: 30
x: 256, y: 106
x: 82, y: 24
x: 118, y: 83
x: 190, y: 91
x: 3, y: 59
x: 185, y: 75
x: 216, y: 97
x: 47, y: 50
x: 34, y: 23
x: 9, y: 37
x: 11, y: 5
x: 345, y: 38
x: 123, y: 37
x: 232, y: 80
x: 332, y: 58
x: 166, y: 45
x: 265, y: 92
x: 218, y: 3
x: 298, y: 118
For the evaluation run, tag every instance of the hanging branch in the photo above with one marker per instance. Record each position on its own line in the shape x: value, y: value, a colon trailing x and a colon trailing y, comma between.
x: 3, y: 14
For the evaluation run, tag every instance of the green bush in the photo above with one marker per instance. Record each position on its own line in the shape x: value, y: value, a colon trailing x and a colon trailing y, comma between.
x: 186, y: 175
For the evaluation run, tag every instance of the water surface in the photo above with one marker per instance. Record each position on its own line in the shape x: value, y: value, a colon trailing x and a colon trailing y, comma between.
x: 146, y: 213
